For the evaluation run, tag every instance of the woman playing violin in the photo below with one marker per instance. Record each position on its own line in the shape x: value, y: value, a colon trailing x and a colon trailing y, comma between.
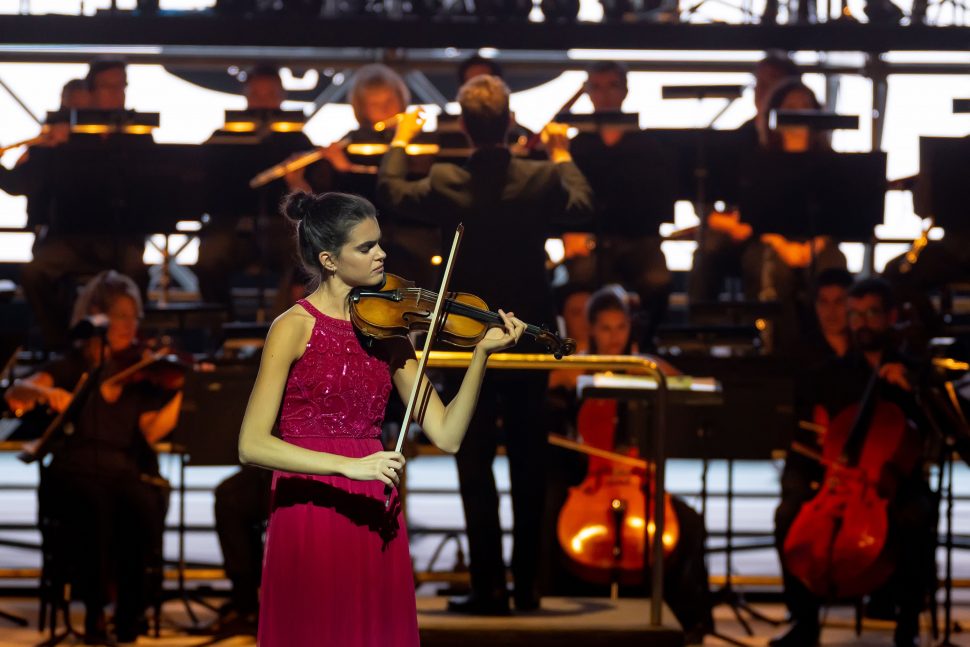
x: 336, y: 569
x: 95, y: 483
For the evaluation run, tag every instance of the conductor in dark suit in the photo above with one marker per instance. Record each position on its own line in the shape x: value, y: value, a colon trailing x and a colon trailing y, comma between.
x: 508, y: 207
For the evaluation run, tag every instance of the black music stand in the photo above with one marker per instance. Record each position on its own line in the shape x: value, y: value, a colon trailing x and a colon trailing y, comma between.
x: 124, y: 185
x: 705, y: 162
x: 213, y: 405
x: 651, y: 443
x: 759, y: 401
x: 802, y: 195
x: 667, y: 428
x: 942, y: 191
x: 230, y: 160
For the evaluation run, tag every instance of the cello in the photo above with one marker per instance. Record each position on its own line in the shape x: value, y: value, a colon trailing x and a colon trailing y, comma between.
x: 838, y: 545
x: 600, y: 527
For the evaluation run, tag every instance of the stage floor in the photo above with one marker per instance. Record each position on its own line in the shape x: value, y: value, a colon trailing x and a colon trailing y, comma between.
x: 557, y: 614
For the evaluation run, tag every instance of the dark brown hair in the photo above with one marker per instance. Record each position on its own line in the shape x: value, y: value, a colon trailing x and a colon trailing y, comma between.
x: 323, y: 223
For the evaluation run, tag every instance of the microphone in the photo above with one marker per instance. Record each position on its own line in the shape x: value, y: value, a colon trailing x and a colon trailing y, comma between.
x: 91, y: 326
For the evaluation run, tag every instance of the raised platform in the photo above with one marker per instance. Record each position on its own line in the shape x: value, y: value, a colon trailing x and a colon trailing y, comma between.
x: 562, y: 622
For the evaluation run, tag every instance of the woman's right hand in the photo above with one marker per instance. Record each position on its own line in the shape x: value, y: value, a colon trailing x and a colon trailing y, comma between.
x: 379, y: 466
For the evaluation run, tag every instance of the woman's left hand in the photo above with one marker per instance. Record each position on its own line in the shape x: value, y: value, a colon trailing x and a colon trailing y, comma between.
x: 497, y: 339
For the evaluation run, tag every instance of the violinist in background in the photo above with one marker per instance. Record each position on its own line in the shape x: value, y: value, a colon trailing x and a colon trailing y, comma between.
x: 102, y: 482
x: 627, y: 172
x: 686, y: 588
x: 508, y: 207
x: 837, y: 384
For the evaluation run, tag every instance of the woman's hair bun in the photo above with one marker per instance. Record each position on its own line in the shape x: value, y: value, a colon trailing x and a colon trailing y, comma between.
x: 297, y: 205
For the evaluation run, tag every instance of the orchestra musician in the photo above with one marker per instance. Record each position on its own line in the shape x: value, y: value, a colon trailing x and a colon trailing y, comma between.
x: 103, y: 481
x: 768, y: 73
x: 476, y: 65
x: 60, y: 253
x: 626, y: 170
x: 241, y: 506
x: 378, y: 96
x: 23, y: 178
x: 245, y: 227
x: 686, y: 589
x: 63, y: 253
x: 773, y: 267
x: 834, y: 384
x: 719, y: 254
x: 507, y: 206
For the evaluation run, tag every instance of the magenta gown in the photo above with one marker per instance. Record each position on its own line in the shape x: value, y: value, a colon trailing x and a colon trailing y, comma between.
x: 337, y: 569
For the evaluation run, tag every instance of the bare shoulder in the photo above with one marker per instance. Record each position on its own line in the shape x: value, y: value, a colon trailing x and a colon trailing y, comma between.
x: 290, y: 332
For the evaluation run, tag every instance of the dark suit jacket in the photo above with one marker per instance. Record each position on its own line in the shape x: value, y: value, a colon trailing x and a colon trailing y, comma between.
x: 509, y: 207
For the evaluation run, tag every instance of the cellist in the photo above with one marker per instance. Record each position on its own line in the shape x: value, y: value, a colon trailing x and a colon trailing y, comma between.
x: 686, y: 589
x: 837, y: 384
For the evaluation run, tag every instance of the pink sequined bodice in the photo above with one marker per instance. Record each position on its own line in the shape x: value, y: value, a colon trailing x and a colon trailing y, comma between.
x: 336, y: 389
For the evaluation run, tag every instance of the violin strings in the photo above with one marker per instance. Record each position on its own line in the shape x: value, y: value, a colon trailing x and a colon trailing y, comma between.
x: 460, y: 308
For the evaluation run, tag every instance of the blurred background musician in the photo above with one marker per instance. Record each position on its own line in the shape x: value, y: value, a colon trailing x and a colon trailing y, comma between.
x: 26, y: 178
x: 832, y: 386
x: 772, y: 267
x: 686, y: 589
x: 103, y: 483
x: 379, y: 95
x: 245, y: 231
x: 508, y: 207
x: 773, y: 69
x: 519, y: 136
x: 719, y: 255
x: 628, y: 173
x: 64, y: 251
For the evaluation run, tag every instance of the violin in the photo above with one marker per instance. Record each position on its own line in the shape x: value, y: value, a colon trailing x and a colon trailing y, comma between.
x: 138, y: 363
x: 839, y: 544
x: 600, y: 527
x: 397, y: 307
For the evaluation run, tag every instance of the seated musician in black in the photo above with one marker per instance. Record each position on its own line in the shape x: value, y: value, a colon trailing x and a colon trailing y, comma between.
x: 102, y: 483
x: 629, y: 174
x: 686, y: 588
x: 23, y: 178
x: 837, y: 384
x: 773, y: 267
x: 720, y: 254
x: 63, y: 250
x: 508, y: 207
x: 245, y: 230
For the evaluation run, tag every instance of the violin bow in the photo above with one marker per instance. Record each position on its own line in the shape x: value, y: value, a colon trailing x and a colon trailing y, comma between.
x: 433, y: 325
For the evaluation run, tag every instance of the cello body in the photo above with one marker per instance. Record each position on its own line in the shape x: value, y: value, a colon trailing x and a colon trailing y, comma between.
x: 601, y: 525
x: 839, y: 544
